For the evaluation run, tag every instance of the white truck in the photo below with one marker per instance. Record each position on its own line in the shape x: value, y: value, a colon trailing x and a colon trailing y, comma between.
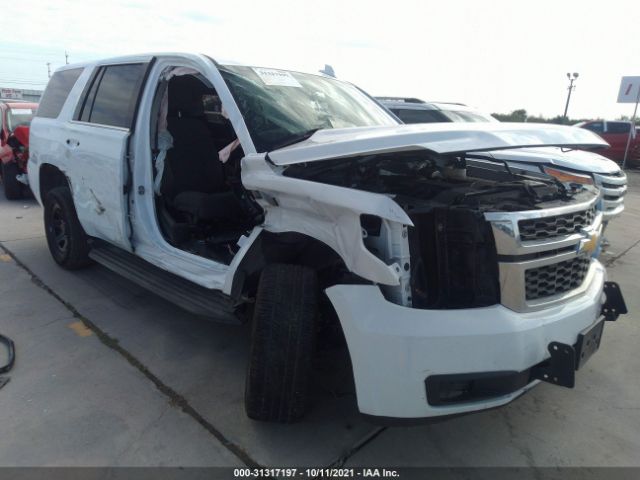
x: 294, y: 200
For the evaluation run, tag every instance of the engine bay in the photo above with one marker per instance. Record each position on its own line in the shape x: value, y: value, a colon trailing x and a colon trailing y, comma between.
x: 454, y: 262
x: 420, y: 181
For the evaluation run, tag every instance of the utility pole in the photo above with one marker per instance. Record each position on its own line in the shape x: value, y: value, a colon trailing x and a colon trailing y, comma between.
x: 631, y: 131
x: 49, y: 69
x: 66, y: 58
x: 570, y: 88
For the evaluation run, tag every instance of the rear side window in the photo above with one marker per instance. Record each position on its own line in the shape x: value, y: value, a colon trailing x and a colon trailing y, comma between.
x: 618, y: 127
x: 112, y: 95
x: 57, y: 92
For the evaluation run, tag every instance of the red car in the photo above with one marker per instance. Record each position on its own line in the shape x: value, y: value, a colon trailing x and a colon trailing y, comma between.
x: 15, y: 117
x: 616, y: 134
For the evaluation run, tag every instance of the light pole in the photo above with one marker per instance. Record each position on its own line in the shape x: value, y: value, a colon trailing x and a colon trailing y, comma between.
x: 572, y: 78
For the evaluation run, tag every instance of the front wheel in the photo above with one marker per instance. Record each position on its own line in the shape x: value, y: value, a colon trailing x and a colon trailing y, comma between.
x: 282, y: 344
x: 12, y: 187
x: 66, y: 238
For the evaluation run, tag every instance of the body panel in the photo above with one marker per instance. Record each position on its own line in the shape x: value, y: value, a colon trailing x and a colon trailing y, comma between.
x: 328, y: 213
x: 97, y: 178
x: 394, y: 349
x: 442, y: 138
x: 578, y: 160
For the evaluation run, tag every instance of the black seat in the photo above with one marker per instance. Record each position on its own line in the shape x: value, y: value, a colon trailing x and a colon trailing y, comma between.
x: 193, y: 181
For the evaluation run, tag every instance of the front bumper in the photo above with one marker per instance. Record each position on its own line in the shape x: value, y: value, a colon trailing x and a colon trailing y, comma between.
x: 394, y: 349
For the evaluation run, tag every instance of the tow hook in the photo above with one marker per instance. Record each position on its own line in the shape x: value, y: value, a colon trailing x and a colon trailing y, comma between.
x: 614, y: 305
x: 565, y: 359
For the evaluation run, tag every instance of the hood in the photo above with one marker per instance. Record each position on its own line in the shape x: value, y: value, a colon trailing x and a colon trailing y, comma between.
x: 441, y: 138
x: 578, y: 160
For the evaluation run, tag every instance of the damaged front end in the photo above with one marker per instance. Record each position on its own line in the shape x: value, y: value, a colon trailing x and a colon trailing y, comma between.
x: 479, y: 233
x: 464, y: 268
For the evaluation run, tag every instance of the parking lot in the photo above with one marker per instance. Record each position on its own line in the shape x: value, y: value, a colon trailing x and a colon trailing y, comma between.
x: 110, y: 374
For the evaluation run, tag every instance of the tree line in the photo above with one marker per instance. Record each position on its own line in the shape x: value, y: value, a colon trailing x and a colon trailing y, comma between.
x: 521, y: 115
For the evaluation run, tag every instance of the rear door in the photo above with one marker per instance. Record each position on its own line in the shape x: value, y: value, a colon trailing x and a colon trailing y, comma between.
x: 97, y: 144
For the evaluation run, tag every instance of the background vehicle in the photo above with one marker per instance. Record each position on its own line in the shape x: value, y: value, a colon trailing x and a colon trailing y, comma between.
x: 319, y: 210
x: 616, y: 134
x: 414, y: 110
x: 13, y: 114
x: 605, y: 174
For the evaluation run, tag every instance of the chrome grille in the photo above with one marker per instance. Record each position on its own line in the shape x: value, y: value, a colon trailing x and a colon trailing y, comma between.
x: 557, y: 226
x: 549, y: 270
x: 556, y: 278
x: 613, y: 187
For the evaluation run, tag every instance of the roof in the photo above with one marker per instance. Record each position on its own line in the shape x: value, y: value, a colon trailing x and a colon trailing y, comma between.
x: 145, y: 57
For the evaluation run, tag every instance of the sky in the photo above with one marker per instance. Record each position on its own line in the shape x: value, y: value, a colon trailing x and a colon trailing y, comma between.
x: 496, y: 55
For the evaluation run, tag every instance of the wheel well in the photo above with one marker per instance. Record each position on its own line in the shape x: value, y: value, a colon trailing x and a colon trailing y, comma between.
x: 296, y: 249
x: 291, y: 248
x: 51, y: 177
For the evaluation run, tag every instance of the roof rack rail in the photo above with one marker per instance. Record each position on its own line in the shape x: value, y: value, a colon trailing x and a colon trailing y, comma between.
x: 400, y: 99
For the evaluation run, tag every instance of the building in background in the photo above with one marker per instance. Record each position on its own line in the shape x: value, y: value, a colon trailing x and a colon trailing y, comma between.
x: 27, y: 95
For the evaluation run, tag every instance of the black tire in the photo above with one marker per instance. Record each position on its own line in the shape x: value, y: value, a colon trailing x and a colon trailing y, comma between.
x: 12, y: 187
x: 66, y: 238
x: 282, y: 344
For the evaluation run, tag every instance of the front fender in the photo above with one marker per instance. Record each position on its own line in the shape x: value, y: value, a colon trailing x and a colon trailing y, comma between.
x: 328, y: 213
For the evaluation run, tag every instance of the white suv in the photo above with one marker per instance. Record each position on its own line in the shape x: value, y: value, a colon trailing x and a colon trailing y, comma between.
x: 294, y: 200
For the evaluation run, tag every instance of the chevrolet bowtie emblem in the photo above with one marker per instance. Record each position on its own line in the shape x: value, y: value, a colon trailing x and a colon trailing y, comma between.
x: 589, y: 244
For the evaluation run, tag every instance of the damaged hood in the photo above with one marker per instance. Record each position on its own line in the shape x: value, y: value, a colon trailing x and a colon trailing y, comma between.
x: 441, y: 138
x: 579, y: 160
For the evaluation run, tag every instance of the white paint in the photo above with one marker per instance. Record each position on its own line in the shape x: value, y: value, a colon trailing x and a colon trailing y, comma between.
x: 394, y: 349
x: 437, y: 137
x: 579, y: 160
x: 326, y: 212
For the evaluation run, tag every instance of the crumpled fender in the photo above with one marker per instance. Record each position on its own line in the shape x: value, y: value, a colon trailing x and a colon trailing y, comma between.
x: 328, y: 213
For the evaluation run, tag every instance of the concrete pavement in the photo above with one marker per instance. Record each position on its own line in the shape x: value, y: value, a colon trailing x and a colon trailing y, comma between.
x: 110, y: 374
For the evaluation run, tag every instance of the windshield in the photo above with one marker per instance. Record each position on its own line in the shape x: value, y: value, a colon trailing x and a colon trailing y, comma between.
x: 281, y: 107
x: 18, y: 116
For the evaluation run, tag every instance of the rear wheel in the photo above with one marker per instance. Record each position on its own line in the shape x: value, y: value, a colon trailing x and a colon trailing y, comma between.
x: 66, y: 238
x: 12, y: 187
x: 283, y: 338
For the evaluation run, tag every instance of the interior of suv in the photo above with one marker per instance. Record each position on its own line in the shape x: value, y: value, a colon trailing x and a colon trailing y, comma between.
x: 201, y: 205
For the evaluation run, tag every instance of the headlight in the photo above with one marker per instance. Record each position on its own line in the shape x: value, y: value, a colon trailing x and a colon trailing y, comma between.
x: 568, y: 177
